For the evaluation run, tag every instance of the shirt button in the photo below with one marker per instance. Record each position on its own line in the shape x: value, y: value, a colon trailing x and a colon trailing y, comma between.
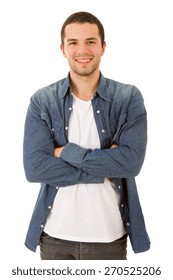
x: 57, y: 188
x: 66, y: 128
x: 98, y: 111
x: 42, y: 226
x: 49, y: 207
x: 127, y: 224
x: 70, y: 109
x: 122, y: 205
x: 119, y: 187
x: 103, y: 131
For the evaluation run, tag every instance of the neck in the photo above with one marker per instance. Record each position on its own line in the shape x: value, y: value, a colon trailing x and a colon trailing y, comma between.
x: 84, y: 87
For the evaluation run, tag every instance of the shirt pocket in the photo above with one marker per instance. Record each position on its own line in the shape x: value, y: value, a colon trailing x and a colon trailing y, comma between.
x: 53, y: 125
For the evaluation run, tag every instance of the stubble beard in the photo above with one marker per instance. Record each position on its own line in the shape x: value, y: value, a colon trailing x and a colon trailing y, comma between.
x: 84, y: 71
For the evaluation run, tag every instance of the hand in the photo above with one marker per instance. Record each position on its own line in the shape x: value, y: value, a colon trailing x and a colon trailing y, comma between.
x: 57, y: 152
x: 114, y: 146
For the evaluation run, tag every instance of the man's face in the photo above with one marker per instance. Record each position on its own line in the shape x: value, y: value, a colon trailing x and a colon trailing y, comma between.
x: 82, y: 47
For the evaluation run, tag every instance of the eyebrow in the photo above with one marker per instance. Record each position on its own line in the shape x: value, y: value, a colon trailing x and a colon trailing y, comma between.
x: 88, y: 39
x: 91, y: 39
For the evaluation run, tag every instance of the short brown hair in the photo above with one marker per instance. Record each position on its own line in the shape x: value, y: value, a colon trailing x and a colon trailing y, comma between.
x: 83, y: 17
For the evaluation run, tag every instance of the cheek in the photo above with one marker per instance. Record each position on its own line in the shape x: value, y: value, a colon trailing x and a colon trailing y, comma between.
x: 68, y: 54
x: 98, y: 51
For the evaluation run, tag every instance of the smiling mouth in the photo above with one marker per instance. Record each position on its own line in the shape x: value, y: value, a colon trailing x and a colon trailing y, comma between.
x: 84, y: 60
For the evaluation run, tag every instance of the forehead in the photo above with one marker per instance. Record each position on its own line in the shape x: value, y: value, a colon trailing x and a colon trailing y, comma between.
x: 81, y: 31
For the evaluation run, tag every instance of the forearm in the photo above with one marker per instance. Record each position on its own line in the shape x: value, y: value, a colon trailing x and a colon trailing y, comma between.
x: 110, y: 164
x: 85, y: 177
x: 40, y: 163
x: 42, y: 166
x: 122, y: 162
x: 57, y: 172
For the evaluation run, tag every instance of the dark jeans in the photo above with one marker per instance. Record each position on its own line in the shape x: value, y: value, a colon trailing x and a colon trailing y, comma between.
x: 58, y: 249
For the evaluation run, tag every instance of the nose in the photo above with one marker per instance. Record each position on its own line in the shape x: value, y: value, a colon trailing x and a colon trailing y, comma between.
x: 82, y: 48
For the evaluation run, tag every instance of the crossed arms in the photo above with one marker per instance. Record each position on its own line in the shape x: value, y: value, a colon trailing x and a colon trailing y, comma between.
x: 72, y: 164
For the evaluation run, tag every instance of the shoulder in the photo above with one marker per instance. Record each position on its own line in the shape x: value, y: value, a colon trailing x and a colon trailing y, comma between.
x: 51, y: 92
x: 121, y: 91
x: 113, y: 90
x: 123, y: 97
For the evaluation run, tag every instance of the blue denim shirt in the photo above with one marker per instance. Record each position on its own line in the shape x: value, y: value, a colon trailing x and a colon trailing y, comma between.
x: 120, y: 117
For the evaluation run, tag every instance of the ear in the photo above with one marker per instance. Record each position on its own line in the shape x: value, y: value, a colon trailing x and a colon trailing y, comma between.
x: 103, y: 48
x: 62, y: 49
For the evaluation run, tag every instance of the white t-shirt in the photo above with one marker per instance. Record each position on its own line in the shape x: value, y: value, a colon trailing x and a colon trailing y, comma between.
x: 85, y: 212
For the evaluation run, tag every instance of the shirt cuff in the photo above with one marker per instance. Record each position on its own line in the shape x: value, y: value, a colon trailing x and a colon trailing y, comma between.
x: 73, y: 154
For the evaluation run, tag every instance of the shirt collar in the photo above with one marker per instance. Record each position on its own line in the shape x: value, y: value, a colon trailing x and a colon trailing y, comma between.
x: 65, y: 86
x: 101, y: 90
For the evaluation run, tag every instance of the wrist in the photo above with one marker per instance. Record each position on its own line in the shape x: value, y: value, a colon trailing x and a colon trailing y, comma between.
x: 57, y: 152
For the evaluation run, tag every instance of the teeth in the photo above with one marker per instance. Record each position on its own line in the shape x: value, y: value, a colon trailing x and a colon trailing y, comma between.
x: 83, y: 60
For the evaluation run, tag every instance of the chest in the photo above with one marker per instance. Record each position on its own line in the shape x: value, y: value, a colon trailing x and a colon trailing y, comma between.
x: 82, y: 125
x: 99, y: 119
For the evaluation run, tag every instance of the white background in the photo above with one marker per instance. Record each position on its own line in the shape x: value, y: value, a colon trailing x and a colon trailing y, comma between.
x: 139, y: 51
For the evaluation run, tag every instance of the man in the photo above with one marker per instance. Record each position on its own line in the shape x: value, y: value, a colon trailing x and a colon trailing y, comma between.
x: 85, y: 140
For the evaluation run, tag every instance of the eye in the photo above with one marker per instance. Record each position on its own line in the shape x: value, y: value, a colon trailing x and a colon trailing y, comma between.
x: 72, y: 43
x: 91, y: 42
